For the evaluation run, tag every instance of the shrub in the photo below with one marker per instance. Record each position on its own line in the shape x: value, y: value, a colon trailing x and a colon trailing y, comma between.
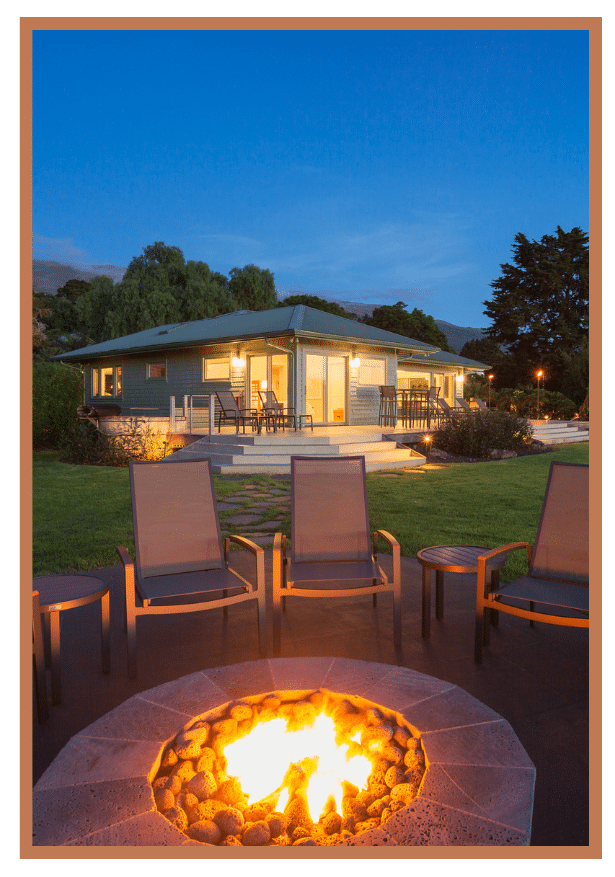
x: 523, y: 401
x: 478, y: 433
x: 83, y: 443
x: 57, y: 392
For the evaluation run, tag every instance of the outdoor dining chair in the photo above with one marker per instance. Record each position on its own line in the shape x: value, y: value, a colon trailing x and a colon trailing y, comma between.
x: 38, y: 661
x: 556, y: 587
x: 181, y: 564
x: 275, y: 415
x: 387, y: 414
x: 230, y: 410
x: 330, y: 552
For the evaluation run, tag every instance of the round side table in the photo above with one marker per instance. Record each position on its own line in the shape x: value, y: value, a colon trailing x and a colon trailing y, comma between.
x: 59, y: 593
x: 452, y: 558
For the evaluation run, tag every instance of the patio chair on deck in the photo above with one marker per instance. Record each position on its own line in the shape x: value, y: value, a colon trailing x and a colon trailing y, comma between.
x: 478, y: 403
x: 181, y: 564
x: 230, y: 410
x: 276, y: 415
x: 330, y: 539
x: 463, y: 405
x: 558, y: 574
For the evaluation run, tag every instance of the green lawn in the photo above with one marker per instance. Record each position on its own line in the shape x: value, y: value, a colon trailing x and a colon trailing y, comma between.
x: 80, y: 513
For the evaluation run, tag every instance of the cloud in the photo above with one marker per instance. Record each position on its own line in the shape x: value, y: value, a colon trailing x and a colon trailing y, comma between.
x: 59, y: 249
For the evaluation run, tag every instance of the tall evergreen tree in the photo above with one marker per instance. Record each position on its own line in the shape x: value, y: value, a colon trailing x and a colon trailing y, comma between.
x: 540, y: 305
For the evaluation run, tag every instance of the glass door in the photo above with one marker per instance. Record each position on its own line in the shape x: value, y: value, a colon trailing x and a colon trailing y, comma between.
x: 325, y: 388
x: 269, y: 373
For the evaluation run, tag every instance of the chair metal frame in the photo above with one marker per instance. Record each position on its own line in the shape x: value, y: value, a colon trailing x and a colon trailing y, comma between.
x: 276, y: 415
x: 489, y: 601
x: 38, y: 661
x: 136, y: 584
x: 283, y: 563
x: 230, y: 410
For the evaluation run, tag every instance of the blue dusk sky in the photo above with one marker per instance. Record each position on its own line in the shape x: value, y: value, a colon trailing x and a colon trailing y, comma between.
x: 368, y: 166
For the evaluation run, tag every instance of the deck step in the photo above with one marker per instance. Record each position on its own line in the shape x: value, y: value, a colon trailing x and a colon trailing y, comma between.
x: 558, y: 432
x: 267, y: 454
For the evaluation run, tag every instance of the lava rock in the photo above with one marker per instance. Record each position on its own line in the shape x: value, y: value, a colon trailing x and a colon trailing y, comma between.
x: 205, y: 832
x: 188, y: 744
x: 229, y: 821
x: 203, y: 785
x: 257, y: 834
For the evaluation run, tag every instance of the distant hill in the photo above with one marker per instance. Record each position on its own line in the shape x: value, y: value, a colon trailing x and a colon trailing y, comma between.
x: 49, y: 276
x: 458, y: 335
x: 455, y: 335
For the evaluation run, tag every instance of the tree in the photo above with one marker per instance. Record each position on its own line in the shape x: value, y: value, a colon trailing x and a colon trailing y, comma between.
x: 484, y: 350
x: 159, y: 287
x: 416, y: 324
x: 321, y: 304
x: 253, y: 288
x: 39, y: 313
x: 540, y: 305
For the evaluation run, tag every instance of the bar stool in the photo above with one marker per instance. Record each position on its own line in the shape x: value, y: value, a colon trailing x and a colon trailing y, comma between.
x: 387, y: 415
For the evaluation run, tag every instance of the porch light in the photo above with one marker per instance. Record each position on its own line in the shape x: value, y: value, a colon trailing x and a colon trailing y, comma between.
x: 459, y: 378
x: 237, y: 361
x: 355, y: 362
x: 263, y: 385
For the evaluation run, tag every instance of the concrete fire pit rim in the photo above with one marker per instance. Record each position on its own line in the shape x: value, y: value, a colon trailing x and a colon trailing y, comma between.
x: 122, y: 746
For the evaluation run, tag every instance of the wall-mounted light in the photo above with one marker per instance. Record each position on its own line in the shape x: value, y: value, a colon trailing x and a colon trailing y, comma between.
x: 237, y: 361
x: 355, y: 362
x: 263, y: 385
x: 459, y: 378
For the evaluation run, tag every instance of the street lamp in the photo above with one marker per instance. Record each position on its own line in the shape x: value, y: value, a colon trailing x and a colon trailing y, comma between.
x: 490, y: 377
x: 538, y: 375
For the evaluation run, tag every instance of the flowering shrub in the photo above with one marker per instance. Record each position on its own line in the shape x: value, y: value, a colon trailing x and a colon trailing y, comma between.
x: 478, y: 433
x: 85, y: 444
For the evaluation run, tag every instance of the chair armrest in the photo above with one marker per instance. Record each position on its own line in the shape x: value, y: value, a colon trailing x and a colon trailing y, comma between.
x: 243, y: 543
x: 125, y: 557
x: 482, y: 559
x: 392, y: 541
x: 259, y: 558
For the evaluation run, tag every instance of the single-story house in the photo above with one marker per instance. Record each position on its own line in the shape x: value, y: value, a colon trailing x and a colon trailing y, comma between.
x: 316, y: 362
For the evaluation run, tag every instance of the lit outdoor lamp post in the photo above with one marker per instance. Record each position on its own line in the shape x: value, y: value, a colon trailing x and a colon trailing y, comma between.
x: 538, y: 375
x: 426, y: 442
x: 490, y: 377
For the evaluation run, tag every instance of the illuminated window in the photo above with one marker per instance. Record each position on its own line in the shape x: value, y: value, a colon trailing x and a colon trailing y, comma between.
x: 156, y: 370
x: 372, y: 372
x: 216, y: 369
x: 107, y: 381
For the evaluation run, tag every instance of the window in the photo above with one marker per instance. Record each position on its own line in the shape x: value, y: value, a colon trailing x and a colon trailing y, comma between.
x: 407, y: 380
x: 107, y: 381
x: 216, y: 369
x: 372, y: 372
x: 156, y: 371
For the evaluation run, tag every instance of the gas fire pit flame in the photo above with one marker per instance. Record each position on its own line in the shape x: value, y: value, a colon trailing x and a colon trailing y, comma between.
x: 262, y: 759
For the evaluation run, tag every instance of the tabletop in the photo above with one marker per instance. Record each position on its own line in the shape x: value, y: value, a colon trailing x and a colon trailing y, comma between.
x: 456, y: 558
x: 59, y: 589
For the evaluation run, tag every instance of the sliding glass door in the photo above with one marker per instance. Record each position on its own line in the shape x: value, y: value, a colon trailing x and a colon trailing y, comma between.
x: 325, y: 388
x: 269, y: 373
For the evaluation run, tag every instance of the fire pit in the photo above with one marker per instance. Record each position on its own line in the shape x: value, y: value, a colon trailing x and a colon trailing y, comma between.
x: 161, y: 769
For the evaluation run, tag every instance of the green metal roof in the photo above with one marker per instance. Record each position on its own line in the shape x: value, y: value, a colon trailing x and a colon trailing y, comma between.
x: 294, y: 320
x: 450, y: 359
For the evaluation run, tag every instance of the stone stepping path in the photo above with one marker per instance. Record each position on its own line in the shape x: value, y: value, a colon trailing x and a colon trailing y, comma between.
x: 250, y: 507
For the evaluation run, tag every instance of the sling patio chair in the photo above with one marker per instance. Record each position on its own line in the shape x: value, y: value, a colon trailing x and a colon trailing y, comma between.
x: 230, y: 410
x: 330, y: 540
x: 181, y: 564
x: 479, y: 403
x: 558, y: 575
x: 275, y: 415
x: 462, y: 405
